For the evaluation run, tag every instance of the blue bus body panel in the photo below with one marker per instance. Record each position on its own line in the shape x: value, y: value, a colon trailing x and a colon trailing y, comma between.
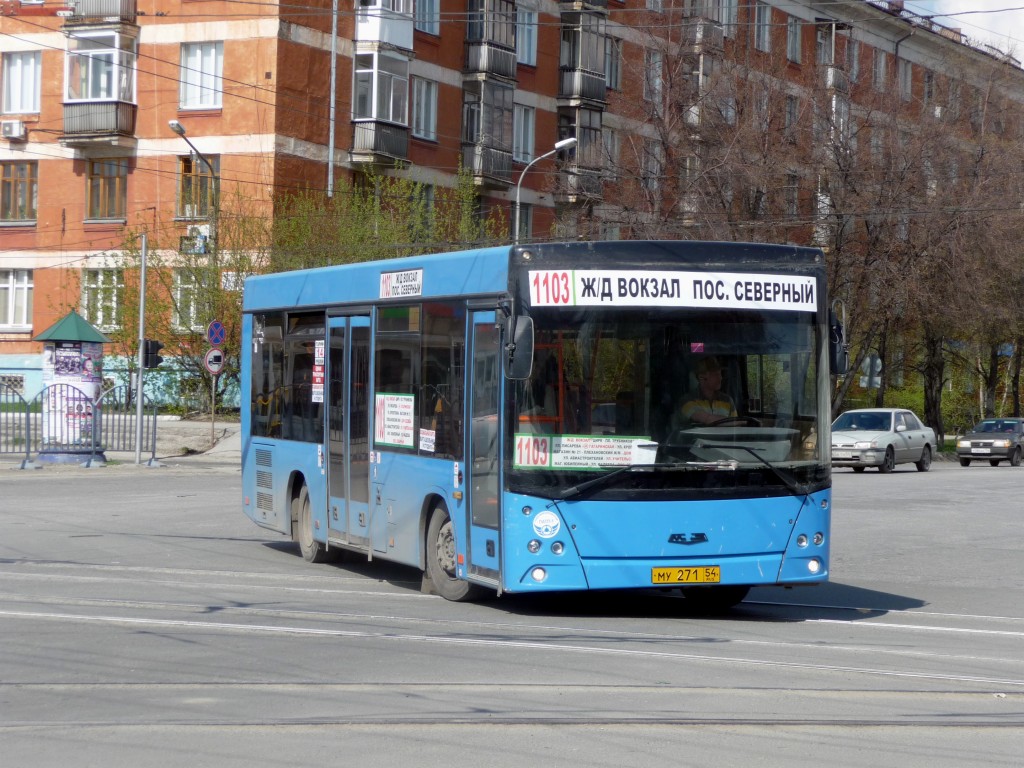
x: 468, y: 273
x: 403, y: 482
x: 614, y: 545
x: 269, y: 469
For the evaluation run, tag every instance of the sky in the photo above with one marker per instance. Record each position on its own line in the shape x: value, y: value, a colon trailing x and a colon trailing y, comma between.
x: 995, y: 22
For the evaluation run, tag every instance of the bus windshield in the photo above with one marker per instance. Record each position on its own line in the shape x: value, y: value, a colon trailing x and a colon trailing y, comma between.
x: 675, y: 402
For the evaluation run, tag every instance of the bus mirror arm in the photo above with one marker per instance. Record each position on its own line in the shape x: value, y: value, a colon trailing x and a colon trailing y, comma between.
x: 519, y: 347
x: 838, y: 348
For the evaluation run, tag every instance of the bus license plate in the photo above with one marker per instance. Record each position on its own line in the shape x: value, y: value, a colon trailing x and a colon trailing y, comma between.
x: 688, y: 574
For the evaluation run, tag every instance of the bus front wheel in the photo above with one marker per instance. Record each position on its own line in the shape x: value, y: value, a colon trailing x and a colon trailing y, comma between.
x: 441, y: 560
x: 312, y: 550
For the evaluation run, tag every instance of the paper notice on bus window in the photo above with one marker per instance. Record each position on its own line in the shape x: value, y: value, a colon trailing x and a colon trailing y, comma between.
x: 663, y: 288
x: 393, y: 420
x: 427, y: 438
x: 534, y: 451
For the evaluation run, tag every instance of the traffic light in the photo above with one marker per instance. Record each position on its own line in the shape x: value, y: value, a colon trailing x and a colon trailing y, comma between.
x: 151, y: 353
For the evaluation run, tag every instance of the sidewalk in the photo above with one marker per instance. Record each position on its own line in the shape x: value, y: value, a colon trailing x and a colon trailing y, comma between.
x: 179, y: 442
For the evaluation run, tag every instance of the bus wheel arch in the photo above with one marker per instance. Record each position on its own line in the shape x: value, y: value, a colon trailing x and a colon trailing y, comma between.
x: 312, y: 551
x: 440, y: 553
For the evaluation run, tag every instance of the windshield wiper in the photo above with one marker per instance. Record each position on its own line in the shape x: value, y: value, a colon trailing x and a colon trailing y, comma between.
x: 606, y: 479
x: 797, y: 489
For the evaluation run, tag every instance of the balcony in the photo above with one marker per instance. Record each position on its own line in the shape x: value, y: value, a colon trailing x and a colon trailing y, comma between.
x: 569, y: 6
x: 489, y: 58
x: 835, y: 78
x: 490, y: 167
x: 97, y: 122
x: 580, y: 84
x: 576, y: 184
x: 379, y: 143
x: 388, y: 22
x: 101, y: 12
x: 703, y: 36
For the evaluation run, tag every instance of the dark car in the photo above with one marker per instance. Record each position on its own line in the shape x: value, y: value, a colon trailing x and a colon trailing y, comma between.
x: 992, y: 440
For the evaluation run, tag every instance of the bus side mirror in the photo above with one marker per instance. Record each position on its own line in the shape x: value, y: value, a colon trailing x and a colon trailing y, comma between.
x: 838, y: 351
x: 519, y: 347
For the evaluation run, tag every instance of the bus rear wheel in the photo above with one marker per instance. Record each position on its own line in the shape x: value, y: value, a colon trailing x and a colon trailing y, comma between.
x: 714, y: 599
x: 312, y: 550
x: 441, y: 556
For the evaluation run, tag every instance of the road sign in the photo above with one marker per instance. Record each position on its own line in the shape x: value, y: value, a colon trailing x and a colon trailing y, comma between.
x: 216, y: 333
x: 214, y: 361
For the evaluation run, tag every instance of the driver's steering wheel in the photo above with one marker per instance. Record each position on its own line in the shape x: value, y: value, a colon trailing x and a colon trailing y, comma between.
x: 747, y: 421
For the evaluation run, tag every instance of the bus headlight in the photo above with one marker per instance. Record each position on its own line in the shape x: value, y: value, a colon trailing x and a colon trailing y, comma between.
x: 538, y: 574
x: 818, y: 539
x: 557, y: 548
x: 814, y: 565
x: 801, y: 540
x: 533, y: 545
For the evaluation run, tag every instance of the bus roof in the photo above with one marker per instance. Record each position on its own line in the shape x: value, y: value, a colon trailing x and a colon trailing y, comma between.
x: 485, y: 271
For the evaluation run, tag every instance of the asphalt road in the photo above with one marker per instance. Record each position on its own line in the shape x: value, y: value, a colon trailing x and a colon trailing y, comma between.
x: 145, y: 622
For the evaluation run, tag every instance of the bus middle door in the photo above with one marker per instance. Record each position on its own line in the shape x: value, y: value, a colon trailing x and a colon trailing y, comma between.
x: 483, y: 450
x: 348, y: 438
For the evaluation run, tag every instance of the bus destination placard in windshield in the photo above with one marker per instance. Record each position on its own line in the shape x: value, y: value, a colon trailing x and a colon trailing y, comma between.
x: 632, y: 288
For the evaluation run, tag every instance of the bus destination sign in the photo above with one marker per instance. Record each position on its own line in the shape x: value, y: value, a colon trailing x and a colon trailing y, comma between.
x: 643, y: 288
x: 400, y: 285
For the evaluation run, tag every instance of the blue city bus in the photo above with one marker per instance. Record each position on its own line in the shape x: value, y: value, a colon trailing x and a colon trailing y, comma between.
x: 513, y: 419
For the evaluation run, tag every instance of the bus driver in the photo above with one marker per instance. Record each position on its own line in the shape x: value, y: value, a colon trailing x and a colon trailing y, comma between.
x: 708, y: 404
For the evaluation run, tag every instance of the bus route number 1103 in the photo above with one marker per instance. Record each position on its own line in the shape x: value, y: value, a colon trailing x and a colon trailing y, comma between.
x: 551, y: 288
x: 533, y: 451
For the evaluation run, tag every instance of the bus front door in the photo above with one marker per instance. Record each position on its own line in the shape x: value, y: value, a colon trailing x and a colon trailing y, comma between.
x: 483, y: 444
x: 348, y: 436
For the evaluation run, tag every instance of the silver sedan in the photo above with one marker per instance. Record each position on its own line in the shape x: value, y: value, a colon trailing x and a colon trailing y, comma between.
x: 883, y: 438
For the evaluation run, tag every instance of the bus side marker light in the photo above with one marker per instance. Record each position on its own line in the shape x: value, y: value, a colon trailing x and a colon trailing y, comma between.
x: 538, y: 574
x: 462, y: 559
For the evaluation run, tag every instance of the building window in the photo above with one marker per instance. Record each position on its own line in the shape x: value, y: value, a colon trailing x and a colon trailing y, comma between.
x: 792, y: 118
x: 526, y: 37
x: 492, y: 21
x: 21, y: 82
x: 853, y: 59
x: 652, y: 76
x: 108, y: 188
x: 730, y: 17
x: 878, y: 70
x: 487, y: 114
x: 762, y: 27
x: 19, y: 191
x: 202, y: 67
x: 381, y: 89
x: 654, y: 5
x: 906, y: 73
x: 792, y: 194
x: 16, y: 298
x: 793, y: 39
x: 928, y: 89
x: 428, y: 16
x: 824, y: 45
x: 197, y: 186
x: 650, y: 175
x: 525, y: 222
x: 613, y: 63
x: 424, y: 108
x: 100, y: 67
x: 611, y: 143
x: 522, y: 134
x: 187, y: 314
x: 102, y: 293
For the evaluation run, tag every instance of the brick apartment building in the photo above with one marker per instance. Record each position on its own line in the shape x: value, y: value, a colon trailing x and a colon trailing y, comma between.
x: 420, y: 86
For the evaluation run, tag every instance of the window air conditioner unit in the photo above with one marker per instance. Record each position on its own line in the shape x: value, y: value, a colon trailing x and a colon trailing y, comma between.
x: 12, y: 129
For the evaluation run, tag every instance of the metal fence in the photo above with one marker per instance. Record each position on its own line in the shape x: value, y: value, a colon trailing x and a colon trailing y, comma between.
x: 64, y: 420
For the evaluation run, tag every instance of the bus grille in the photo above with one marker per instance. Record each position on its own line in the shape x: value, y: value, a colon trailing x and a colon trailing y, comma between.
x: 265, y: 480
x: 263, y: 457
x: 265, y: 501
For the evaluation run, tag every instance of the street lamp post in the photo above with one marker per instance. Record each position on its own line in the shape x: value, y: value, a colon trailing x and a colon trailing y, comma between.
x: 559, y: 146
x: 179, y: 129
